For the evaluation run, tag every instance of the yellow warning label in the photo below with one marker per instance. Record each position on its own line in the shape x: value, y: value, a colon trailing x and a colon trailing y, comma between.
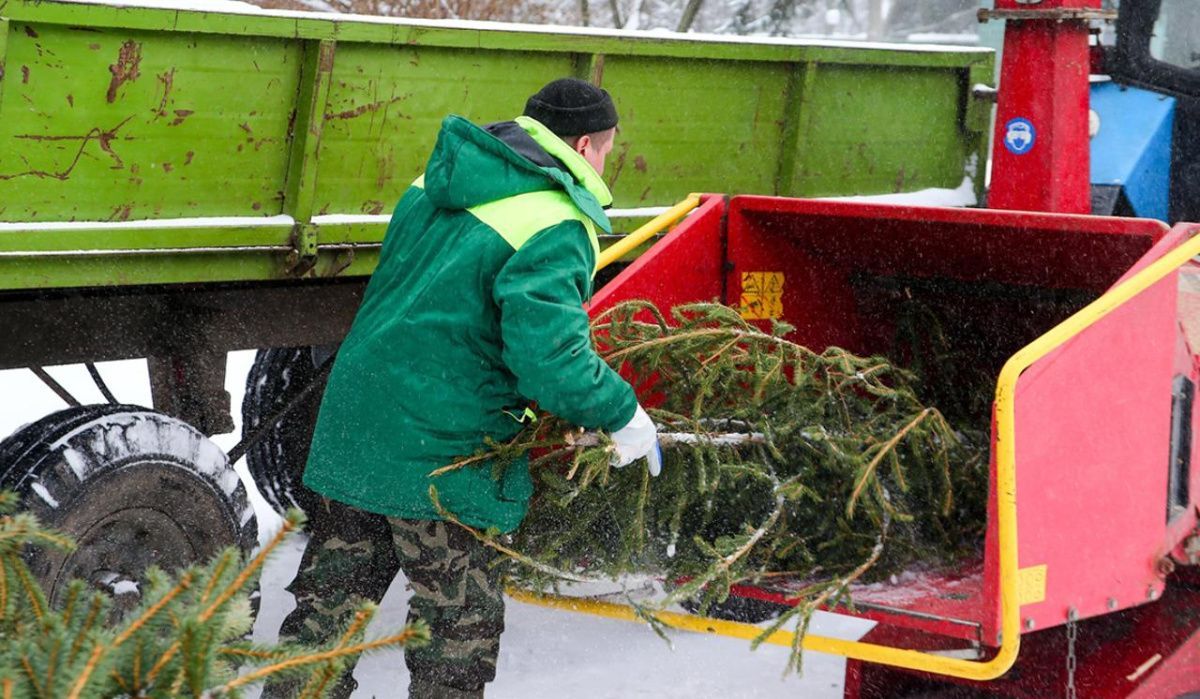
x: 1031, y: 584
x: 762, y: 295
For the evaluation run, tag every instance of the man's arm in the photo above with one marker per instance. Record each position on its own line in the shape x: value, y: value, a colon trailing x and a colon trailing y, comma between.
x: 547, y: 342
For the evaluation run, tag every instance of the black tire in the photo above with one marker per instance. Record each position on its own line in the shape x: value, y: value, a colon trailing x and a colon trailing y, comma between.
x: 132, y: 487
x: 277, y: 461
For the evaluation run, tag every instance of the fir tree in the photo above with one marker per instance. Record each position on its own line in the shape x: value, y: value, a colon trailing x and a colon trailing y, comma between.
x: 794, y: 468
x: 185, y: 638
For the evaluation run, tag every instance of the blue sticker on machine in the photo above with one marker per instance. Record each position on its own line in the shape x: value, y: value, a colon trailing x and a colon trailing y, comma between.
x: 1019, y: 136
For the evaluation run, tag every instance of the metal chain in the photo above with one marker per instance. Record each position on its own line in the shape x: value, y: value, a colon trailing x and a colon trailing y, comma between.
x: 1072, y: 631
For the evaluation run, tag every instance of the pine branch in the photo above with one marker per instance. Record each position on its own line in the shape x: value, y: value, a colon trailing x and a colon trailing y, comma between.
x: 33, y: 593
x: 869, y: 470
x: 88, y: 669
x: 290, y: 522
x: 187, y: 630
x: 250, y: 654
x: 95, y: 608
x: 414, y: 632
x: 491, y: 543
x: 31, y: 674
x: 223, y: 562
x: 321, y: 677
x: 3, y: 589
x: 161, y: 664
x: 136, y: 625
x: 763, y: 439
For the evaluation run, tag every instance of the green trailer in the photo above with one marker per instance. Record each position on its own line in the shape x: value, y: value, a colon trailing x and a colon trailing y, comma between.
x: 177, y: 183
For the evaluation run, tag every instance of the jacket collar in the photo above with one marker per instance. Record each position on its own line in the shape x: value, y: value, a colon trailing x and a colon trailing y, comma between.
x: 580, y: 168
x: 470, y: 166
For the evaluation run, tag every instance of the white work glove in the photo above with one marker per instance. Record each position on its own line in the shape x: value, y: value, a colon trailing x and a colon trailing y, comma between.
x: 637, y: 439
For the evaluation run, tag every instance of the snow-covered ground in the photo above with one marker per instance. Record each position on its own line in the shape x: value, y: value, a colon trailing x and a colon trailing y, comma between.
x: 544, y: 653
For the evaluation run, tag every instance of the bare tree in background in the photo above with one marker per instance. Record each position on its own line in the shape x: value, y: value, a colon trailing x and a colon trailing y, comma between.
x: 931, y: 16
x: 529, y: 11
x: 615, y: 7
x: 689, y: 15
x: 777, y: 17
x: 873, y: 19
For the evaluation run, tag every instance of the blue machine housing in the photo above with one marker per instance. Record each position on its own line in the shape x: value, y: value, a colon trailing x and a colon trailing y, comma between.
x: 1132, y: 150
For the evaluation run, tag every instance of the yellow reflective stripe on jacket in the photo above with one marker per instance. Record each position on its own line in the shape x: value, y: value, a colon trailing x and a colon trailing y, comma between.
x: 579, y: 167
x: 519, y: 218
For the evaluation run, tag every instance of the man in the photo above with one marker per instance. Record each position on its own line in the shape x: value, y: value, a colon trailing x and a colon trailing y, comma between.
x: 473, y: 314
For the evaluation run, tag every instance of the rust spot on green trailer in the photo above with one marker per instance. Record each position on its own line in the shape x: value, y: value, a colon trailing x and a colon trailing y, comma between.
x: 387, y: 167
x: 167, y: 167
x: 129, y: 58
x: 121, y: 213
x: 180, y: 116
x: 291, y: 127
x: 71, y: 100
x: 865, y: 157
x: 167, y: 80
x: 363, y: 109
x: 30, y: 32
x: 639, y: 164
x: 619, y: 164
x: 102, y: 137
x: 24, y: 75
x: 187, y: 157
x: 94, y: 47
x: 325, y: 61
x: 372, y: 207
x: 256, y: 205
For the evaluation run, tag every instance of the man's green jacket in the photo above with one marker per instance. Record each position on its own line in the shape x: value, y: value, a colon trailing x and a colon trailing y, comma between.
x: 474, y: 311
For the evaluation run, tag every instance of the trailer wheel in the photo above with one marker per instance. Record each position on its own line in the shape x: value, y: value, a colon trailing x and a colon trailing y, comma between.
x: 277, y: 461
x: 132, y: 487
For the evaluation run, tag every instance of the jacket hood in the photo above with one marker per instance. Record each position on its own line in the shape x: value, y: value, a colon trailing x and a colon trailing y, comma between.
x: 470, y: 166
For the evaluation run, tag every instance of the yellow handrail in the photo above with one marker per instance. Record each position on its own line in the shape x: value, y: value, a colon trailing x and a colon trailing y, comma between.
x: 1006, y: 515
x: 647, y: 231
x: 624, y: 612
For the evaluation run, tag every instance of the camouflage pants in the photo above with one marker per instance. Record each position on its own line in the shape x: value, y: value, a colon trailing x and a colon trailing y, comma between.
x: 352, y: 556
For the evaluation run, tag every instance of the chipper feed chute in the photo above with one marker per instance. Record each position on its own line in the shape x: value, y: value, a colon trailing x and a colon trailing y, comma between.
x: 1073, y: 325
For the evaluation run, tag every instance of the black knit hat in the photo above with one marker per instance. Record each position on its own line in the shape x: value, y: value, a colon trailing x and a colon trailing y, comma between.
x: 571, y: 107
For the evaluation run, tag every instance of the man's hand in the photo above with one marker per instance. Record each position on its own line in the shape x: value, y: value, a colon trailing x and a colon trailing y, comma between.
x: 637, y: 439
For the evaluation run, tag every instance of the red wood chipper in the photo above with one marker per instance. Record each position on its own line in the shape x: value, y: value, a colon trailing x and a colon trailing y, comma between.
x: 1089, y: 330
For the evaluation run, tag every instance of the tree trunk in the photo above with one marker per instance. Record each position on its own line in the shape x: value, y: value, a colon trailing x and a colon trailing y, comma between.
x: 634, y: 19
x: 616, y: 14
x: 689, y: 15
x: 946, y: 16
x: 875, y: 20
x: 780, y: 16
